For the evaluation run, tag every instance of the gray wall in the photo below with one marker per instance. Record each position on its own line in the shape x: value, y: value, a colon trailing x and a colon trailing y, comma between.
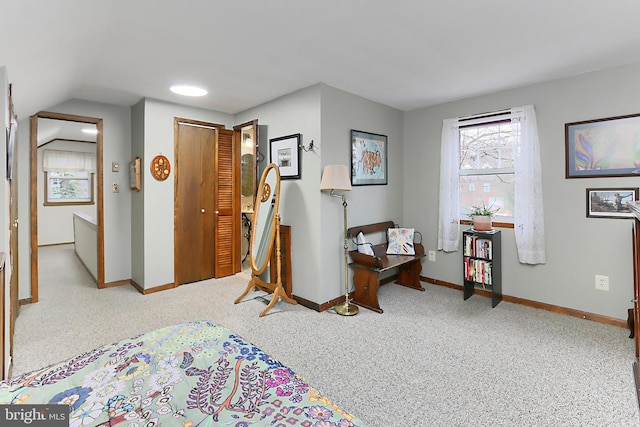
x: 342, y: 112
x: 117, y: 206
x: 298, y: 112
x: 133, y: 220
x: 137, y: 197
x: 326, y: 115
x: 577, y: 247
x: 158, y: 210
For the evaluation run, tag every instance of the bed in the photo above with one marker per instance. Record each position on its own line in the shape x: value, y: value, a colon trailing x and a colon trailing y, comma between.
x: 190, y: 374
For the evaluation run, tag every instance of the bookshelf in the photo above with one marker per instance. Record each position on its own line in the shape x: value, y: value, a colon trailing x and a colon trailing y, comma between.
x: 481, y: 261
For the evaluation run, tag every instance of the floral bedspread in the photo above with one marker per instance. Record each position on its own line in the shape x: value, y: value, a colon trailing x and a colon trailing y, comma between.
x: 190, y: 374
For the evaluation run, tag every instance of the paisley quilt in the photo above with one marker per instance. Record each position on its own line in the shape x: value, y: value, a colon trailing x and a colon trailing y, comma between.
x: 190, y: 374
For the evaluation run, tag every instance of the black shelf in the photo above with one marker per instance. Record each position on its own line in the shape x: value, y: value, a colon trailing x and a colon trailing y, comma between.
x: 482, y: 266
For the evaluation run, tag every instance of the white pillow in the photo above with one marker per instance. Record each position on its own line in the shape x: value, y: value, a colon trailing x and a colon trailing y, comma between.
x: 400, y: 241
x: 364, y: 247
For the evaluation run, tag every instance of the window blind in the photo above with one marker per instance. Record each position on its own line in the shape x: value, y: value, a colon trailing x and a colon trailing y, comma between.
x: 70, y: 161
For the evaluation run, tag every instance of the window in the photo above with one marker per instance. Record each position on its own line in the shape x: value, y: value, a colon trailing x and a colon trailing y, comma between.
x: 68, y: 188
x: 486, y: 169
x: 498, y: 149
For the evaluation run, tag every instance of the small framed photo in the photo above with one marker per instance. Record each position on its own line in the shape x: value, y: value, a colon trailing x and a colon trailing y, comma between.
x: 603, y: 147
x: 285, y: 153
x: 610, y: 202
x: 368, y: 158
x: 134, y: 174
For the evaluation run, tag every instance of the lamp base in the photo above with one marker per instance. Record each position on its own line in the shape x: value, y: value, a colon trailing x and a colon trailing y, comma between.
x: 346, y: 309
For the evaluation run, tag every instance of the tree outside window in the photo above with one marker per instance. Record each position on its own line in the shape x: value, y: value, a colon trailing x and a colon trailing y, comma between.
x: 486, y: 168
x: 68, y: 188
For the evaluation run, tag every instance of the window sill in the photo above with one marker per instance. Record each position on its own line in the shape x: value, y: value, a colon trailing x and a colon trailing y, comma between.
x: 494, y: 223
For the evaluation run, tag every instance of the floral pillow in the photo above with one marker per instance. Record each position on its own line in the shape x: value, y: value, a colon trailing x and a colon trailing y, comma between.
x: 400, y: 241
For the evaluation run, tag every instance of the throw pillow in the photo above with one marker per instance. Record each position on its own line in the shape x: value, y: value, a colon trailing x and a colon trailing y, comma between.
x: 364, y: 247
x: 400, y: 241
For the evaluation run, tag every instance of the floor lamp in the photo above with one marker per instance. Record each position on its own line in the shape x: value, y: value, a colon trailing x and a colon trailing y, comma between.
x: 336, y: 178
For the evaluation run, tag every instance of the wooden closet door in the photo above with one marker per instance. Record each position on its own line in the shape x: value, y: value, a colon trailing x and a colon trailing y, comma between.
x: 195, y: 216
x: 207, y: 203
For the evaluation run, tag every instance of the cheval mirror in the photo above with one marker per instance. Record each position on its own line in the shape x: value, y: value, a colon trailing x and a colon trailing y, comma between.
x: 266, y: 235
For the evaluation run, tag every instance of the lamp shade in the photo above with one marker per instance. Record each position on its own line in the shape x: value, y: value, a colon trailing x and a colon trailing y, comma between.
x: 335, y: 177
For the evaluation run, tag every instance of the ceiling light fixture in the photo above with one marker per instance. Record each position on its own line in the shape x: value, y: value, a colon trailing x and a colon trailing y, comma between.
x: 188, y: 90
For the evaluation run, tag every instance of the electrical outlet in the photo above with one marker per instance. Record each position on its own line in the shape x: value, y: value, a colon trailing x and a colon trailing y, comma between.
x: 432, y: 256
x: 602, y: 283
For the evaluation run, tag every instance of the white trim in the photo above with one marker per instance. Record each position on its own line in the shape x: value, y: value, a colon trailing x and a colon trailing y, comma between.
x: 197, y: 125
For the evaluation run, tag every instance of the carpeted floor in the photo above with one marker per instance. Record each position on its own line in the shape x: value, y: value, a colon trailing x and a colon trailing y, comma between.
x: 431, y: 359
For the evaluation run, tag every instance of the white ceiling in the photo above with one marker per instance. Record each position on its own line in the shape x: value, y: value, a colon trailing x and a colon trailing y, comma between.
x: 53, y: 129
x: 403, y: 53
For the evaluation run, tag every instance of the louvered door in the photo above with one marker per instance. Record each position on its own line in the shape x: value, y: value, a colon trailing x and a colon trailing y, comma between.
x: 227, y: 201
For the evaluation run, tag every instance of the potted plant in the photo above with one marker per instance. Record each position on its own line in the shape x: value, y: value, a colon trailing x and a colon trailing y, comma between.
x: 481, y: 216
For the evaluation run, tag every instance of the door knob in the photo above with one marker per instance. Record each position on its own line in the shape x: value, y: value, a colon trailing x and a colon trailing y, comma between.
x: 202, y: 210
x: 216, y: 212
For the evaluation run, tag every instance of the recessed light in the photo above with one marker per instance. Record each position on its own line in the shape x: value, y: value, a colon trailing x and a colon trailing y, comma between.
x: 91, y: 131
x: 188, y: 90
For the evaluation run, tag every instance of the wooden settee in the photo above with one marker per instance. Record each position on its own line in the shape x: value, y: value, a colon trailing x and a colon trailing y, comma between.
x: 367, y: 268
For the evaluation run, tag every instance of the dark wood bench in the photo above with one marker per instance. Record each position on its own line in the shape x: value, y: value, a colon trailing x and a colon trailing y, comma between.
x: 367, y: 268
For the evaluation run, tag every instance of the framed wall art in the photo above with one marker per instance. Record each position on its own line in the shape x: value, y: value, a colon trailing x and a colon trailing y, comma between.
x: 134, y: 174
x: 285, y: 153
x: 368, y: 158
x: 12, y: 130
x: 610, y: 202
x: 11, y: 144
x: 603, y: 147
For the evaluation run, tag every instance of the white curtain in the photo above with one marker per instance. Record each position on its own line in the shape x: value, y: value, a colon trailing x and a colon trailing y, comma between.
x: 68, y: 161
x: 528, y: 208
x: 449, y: 207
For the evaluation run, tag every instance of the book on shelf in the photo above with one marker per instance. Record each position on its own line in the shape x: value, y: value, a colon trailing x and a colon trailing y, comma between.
x: 478, y: 271
x: 483, y: 248
x: 477, y: 247
x: 468, y: 245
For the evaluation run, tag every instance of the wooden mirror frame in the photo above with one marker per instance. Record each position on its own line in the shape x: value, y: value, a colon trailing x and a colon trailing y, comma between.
x: 266, y: 220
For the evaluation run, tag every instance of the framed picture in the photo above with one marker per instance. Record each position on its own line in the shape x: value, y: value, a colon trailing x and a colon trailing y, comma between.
x: 603, y: 147
x: 368, y: 158
x: 285, y: 153
x: 610, y: 202
x: 12, y: 130
x: 11, y: 144
x: 134, y: 174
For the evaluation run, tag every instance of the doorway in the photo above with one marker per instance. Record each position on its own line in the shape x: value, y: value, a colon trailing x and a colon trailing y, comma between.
x: 246, y: 135
x: 207, y: 225
x: 61, y: 131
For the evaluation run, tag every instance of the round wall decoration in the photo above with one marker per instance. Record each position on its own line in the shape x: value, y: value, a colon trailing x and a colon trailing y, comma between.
x: 160, y: 168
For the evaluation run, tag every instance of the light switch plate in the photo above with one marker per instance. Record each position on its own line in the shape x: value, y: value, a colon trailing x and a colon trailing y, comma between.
x: 115, y: 167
